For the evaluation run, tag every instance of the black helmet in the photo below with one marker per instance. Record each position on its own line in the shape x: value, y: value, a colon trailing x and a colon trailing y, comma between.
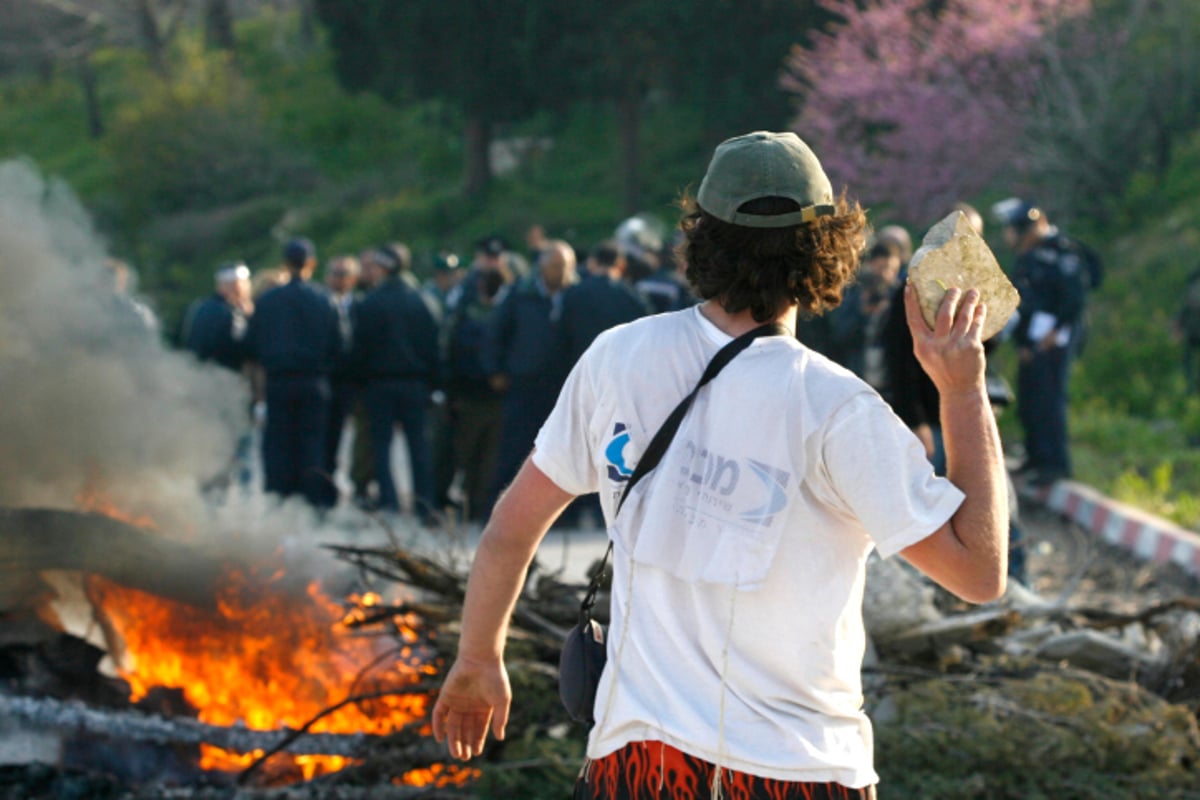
x: 1017, y: 213
x: 445, y: 261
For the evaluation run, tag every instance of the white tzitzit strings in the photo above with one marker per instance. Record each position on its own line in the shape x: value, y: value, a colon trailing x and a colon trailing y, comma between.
x: 717, y: 790
x: 616, y: 663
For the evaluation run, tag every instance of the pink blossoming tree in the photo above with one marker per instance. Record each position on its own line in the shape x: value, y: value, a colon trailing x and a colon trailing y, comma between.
x: 917, y: 109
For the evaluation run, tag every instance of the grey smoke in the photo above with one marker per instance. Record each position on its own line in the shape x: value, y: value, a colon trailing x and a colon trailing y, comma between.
x: 89, y: 397
x: 92, y: 400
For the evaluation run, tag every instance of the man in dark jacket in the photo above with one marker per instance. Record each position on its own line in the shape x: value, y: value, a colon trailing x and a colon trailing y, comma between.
x: 214, y: 328
x: 601, y: 300
x: 294, y: 337
x: 395, y: 354
x: 1053, y: 274
x: 474, y: 406
x: 520, y: 356
x: 341, y: 279
x: 666, y: 288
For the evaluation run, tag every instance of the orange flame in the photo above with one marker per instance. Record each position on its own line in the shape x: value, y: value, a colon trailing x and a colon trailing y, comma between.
x: 270, y: 659
x: 90, y: 498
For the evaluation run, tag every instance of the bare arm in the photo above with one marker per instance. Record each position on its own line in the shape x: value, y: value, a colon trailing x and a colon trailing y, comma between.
x: 476, y: 693
x: 969, y: 554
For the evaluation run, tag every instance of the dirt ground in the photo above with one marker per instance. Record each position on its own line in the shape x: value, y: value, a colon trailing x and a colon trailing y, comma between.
x: 1064, y: 560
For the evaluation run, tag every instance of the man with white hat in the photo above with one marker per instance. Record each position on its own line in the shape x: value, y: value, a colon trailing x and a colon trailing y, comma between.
x: 214, y: 328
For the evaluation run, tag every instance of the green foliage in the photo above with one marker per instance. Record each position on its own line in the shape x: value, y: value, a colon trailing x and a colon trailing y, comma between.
x: 1147, y: 463
x: 494, y: 63
x: 1132, y: 359
x: 46, y: 121
x: 198, y: 141
x: 572, y: 188
x: 1157, y: 494
x: 543, y: 763
x: 345, y: 134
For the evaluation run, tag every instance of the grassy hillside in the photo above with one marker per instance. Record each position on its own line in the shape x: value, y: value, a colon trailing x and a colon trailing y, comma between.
x: 228, y: 159
x: 1134, y: 427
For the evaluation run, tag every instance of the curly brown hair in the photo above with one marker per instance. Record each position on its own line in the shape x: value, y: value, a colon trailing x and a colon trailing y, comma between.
x: 768, y: 269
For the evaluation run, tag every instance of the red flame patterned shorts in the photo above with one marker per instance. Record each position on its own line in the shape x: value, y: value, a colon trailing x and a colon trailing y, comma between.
x: 657, y: 771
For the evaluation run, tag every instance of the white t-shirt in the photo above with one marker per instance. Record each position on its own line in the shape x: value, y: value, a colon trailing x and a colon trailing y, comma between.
x: 739, y: 561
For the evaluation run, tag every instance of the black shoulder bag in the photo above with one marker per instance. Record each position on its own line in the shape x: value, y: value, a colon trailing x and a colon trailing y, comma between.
x: 584, y: 652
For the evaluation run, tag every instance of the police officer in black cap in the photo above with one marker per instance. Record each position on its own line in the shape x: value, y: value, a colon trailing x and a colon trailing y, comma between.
x: 396, y: 356
x: 1053, y: 273
x: 446, y: 276
x: 294, y: 336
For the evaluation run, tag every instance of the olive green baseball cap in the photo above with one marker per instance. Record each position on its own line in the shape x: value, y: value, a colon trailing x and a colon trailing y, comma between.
x: 765, y: 164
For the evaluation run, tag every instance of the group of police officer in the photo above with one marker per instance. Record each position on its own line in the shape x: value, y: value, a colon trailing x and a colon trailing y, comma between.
x: 467, y: 365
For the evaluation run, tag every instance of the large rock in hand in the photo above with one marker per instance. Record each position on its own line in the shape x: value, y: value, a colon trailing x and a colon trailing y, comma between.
x: 954, y: 255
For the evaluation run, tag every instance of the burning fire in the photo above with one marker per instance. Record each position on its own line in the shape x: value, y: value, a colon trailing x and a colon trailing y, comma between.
x: 269, y: 658
x: 91, y: 498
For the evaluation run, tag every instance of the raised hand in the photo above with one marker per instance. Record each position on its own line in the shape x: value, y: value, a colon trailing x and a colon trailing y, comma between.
x: 951, y: 352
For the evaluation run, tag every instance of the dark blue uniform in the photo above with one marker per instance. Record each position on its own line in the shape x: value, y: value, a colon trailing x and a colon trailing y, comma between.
x: 344, y: 391
x: 294, y: 336
x: 520, y: 344
x: 666, y: 291
x: 395, y: 353
x: 911, y: 392
x: 215, y: 331
x: 1052, y: 278
x: 474, y: 405
x: 591, y: 307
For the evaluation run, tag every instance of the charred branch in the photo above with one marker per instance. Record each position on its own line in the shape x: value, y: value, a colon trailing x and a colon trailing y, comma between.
x: 292, y: 737
x: 49, y: 713
x: 33, y: 540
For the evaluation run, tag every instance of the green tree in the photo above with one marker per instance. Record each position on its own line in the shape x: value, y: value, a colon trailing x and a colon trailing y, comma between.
x: 1122, y: 107
x: 40, y: 35
x: 499, y: 62
x: 721, y: 57
x: 493, y: 62
x: 732, y: 58
x: 218, y: 25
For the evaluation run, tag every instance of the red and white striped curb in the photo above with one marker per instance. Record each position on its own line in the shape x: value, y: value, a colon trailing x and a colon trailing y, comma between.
x: 1145, y: 535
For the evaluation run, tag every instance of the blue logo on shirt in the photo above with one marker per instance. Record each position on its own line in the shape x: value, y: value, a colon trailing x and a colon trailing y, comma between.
x: 615, y: 453
x: 774, y: 481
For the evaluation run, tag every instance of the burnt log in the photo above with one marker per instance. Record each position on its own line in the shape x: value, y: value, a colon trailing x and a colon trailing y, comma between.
x: 33, y: 540
x: 49, y: 714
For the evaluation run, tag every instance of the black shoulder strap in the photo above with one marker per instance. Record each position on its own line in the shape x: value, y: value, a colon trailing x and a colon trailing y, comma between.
x: 662, y: 439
